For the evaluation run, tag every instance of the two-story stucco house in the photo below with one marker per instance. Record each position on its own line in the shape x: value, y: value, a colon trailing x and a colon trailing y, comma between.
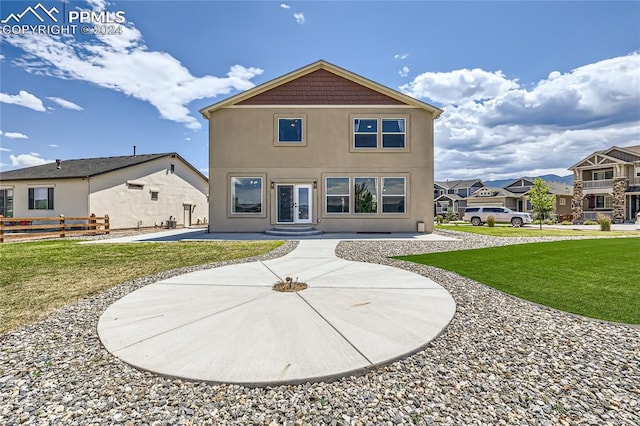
x: 135, y: 191
x: 607, y: 182
x: 321, y: 147
x: 452, y: 195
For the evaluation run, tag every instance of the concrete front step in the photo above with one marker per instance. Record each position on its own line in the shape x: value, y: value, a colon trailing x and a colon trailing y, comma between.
x: 285, y: 231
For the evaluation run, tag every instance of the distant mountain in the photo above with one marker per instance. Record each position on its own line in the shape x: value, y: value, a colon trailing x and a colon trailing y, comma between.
x: 551, y: 178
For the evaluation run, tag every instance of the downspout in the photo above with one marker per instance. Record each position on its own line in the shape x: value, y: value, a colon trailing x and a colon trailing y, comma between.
x: 89, y: 196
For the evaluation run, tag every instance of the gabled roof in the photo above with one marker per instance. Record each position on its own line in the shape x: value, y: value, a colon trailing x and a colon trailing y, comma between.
x: 453, y: 197
x: 457, y: 184
x: 495, y: 192
x: 319, y: 65
x: 87, y: 167
x: 633, y: 150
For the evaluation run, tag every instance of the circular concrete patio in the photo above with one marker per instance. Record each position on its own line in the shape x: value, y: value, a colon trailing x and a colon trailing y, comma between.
x: 227, y: 324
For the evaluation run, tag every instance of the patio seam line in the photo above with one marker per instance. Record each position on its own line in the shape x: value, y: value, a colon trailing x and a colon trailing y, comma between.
x: 192, y: 322
x: 335, y: 329
x: 215, y: 285
x: 270, y: 270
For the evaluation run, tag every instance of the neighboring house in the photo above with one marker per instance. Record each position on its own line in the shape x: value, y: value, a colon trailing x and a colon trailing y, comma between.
x: 563, y: 194
x: 452, y: 195
x: 607, y: 182
x: 322, y: 147
x: 489, y: 196
x: 135, y: 191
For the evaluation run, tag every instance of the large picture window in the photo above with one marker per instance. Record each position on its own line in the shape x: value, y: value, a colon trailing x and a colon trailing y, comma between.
x: 246, y: 195
x: 365, y: 193
x: 290, y: 130
x: 338, y: 194
x: 6, y: 202
x: 393, y: 194
x: 40, y: 198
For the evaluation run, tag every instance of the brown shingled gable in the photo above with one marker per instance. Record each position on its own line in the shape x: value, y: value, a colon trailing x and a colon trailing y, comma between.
x: 320, y: 87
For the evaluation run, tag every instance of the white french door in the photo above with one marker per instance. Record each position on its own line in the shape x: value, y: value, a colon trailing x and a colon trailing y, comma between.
x: 294, y: 204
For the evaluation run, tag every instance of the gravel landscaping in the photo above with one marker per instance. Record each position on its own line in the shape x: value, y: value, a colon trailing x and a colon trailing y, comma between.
x: 500, y: 361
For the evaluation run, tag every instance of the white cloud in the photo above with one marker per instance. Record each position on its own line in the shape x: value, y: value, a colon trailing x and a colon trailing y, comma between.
x: 401, y: 56
x: 187, y: 139
x: 27, y: 160
x: 459, y: 86
x: 2, y: 58
x: 496, y: 129
x: 24, y: 99
x: 299, y: 17
x: 404, y: 71
x: 65, y: 103
x: 5, y: 149
x: 124, y: 63
x: 13, y: 135
x: 53, y: 145
x: 285, y: 6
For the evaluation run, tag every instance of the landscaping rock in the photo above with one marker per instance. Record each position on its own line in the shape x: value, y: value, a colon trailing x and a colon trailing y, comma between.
x: 502, y: 360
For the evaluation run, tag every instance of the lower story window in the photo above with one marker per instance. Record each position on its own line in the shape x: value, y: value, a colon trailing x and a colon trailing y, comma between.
x: 338, y: 194
x: 393, y: 194
x: 246, y: 195
x: 6, y: 202
x: 365, y: 193
x: 40, y: 198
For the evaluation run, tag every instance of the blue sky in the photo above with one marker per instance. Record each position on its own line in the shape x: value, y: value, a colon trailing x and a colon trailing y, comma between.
x: 528, y: 88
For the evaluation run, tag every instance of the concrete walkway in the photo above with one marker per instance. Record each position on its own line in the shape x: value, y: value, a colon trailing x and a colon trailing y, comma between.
x: 228, y: 325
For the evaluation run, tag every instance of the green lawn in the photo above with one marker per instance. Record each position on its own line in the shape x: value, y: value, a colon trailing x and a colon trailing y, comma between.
x: 597, y: 278
x: 38, y: 277
x: 531, y: 231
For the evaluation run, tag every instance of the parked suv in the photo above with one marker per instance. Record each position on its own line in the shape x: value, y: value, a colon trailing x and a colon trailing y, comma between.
x: 478, y: 215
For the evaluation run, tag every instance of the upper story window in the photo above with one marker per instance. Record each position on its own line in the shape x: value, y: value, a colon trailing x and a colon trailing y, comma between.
x: 379, y: 133
x: 393, y: 132
x: 40, y: 198
x: 289, y: 130
x: 603, y: 174
x: 365, y: 133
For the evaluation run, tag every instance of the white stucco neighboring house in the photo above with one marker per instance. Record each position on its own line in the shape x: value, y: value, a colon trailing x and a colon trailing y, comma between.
x: 135, y: 191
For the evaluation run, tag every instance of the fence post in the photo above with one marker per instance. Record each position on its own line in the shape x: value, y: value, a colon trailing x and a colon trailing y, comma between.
x: 1, y: 229
x: 62, y: 225
x: 92, y: 224
x: 106, y: 223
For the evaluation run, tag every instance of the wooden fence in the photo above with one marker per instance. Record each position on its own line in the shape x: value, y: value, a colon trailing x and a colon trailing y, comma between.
x: 57, y: 226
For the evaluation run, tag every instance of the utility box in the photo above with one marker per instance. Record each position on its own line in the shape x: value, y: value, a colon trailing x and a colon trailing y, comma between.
x: 171, y: 223
x: 421, y: 227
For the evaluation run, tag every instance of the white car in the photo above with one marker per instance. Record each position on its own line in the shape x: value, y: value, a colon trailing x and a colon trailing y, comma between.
x: 478, y: 215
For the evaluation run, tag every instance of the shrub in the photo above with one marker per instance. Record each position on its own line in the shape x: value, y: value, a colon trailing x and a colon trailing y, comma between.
x: 439, y: 219
x: 604, y: 222
x: 491, y: 221
x: 589, y: 222
x: 566, y: 222
x: 451, y: 216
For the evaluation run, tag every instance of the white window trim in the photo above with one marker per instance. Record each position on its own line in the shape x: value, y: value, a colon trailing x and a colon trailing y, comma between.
x: 382, y: 133
x: 404, y: 194
x: 377, y: 198
x: 379, y: 134
x: 262, y: 211
x: 326, y: 195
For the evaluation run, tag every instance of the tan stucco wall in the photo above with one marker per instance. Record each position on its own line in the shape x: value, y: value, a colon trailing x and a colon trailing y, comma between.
x: 127, y: 207
x: 69, y: 197
x: 242, y: 143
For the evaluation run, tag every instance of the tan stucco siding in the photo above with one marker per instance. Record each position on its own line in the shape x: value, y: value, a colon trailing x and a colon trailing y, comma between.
x: 69, y: 197
x: 242, y: 144
x: 128, y: 208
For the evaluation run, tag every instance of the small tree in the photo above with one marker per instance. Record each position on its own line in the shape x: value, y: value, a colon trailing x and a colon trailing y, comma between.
x: 542, y: 201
